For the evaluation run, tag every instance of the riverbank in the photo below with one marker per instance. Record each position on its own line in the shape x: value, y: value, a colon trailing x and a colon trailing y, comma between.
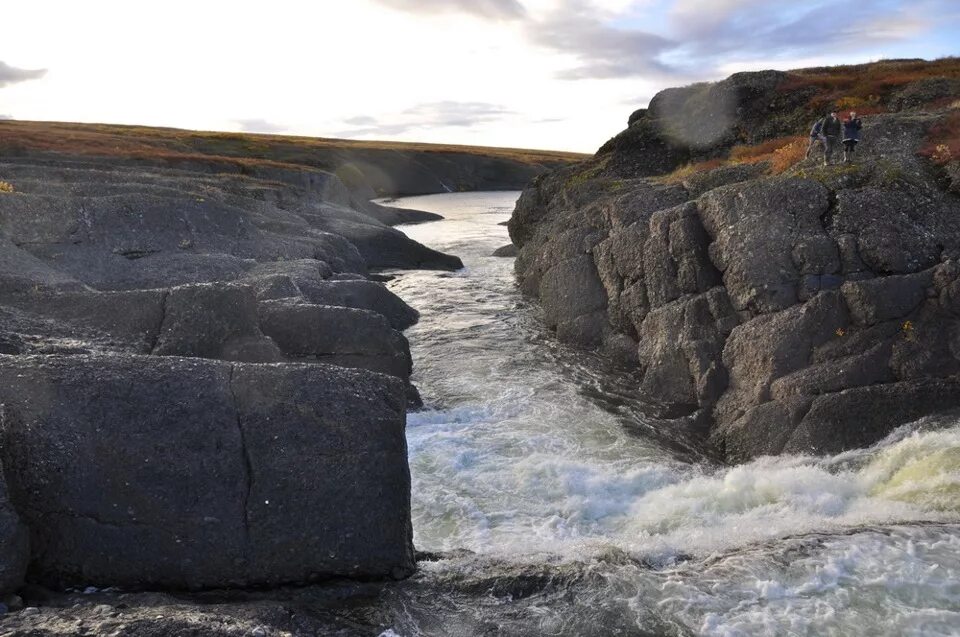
x: 546, y: 501
x: 769, y: 303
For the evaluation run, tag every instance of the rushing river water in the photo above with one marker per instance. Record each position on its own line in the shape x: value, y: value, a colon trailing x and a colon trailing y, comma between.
x: 558, y: 509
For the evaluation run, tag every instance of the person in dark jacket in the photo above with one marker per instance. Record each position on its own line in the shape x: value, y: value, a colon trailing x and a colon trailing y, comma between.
x: 815, y: 137
x: 851, y: 135
x: 832, y: 127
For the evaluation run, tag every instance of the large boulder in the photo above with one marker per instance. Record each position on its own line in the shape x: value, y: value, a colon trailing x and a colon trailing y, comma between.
x: 571, y: 289
x: 337, y: 336
x: 680, y: 350
x: 765, y: 235
x: 214, y: 321
x: 362, y: 295
x: 184, y: 473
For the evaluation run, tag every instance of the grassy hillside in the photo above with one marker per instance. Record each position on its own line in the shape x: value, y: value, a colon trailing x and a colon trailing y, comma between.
x: 18, y: 137
x: 765, y: 117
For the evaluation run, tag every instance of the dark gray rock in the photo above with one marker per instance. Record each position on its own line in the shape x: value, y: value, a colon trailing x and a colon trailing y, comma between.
x: 755, y: 228
x: 772, y: 346
x: 885, y: 298
x: 675, y: 256
x: 336, y: 335
x: 701, y: 182
x: 925, y: 92
x: 680, y: 350
x: 508, y: 250
x: 762, y: 431
x: 571, y: 289
x: 362, y: 295
x: 862, y: 416
x: 895, y: 230
x: 215, y: 475
x: 14, y: 543
x: 869, y: 368
x: 133, y: 318
x: 840, y: 278
x: 214, y: 321
x: 21, y: 272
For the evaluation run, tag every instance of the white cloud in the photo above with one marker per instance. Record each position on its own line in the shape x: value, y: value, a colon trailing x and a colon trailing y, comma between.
x: 260, y: 125
x: 12, y: 75
x: 327, y: 68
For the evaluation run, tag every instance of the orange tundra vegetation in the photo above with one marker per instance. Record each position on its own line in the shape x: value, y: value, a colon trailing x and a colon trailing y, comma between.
x: 865, y: 88
x: 781, y: 153
x: 943, y: 140
x: 238, y: 148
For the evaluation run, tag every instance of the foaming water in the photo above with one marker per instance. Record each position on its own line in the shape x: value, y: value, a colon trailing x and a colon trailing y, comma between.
x: 530, y: 453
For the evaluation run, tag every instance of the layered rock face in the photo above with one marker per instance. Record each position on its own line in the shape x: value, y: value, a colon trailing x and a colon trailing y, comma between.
x: 807, y: 312
x: 199, y: 384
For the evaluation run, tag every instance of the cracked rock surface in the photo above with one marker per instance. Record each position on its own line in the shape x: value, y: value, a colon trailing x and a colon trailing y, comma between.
x: 200, y: 385
x: 807, y: 312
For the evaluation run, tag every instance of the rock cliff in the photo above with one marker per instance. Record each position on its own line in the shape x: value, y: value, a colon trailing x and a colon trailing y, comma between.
x: 200, y: 385
x: 772, y: 304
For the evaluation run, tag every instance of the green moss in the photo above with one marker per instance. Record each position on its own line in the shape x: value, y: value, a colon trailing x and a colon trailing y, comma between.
x: 829, y: 175
x: 889, y: 173
x: 579, y: 179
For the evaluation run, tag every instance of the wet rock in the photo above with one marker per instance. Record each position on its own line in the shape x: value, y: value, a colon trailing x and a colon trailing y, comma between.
x: 762, y: 430
x: 877, y: 410
x: 508, y: 250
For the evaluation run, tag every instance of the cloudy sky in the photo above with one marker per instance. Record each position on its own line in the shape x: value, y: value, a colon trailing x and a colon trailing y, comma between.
x: 558, y: 74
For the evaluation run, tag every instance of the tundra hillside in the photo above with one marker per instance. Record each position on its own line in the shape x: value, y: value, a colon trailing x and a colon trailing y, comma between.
x: 202, y: 384
x: 368, y: 168
x: 768, y: 303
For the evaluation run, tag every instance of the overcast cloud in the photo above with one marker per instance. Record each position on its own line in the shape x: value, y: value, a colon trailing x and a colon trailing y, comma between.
x: 12, y: 75
x: 701, y: 36
x: 260, y: 125
x: 445, y: 114
x: 495, y: 9
x: 560, y: 74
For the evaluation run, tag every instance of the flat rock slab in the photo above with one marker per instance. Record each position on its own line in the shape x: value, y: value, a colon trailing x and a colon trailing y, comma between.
x: 145, y: 471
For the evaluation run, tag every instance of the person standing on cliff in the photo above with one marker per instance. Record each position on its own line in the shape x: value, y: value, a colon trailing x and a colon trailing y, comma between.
x: 832, y: 127
x: 815, y: 136
x: 851, y: 135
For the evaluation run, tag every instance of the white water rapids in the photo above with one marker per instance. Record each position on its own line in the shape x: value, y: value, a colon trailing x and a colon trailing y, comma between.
x: 529, y: 452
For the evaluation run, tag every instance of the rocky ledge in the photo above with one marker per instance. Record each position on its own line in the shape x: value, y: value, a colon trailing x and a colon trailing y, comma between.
x: 768, y: 308
x: 200, y: 384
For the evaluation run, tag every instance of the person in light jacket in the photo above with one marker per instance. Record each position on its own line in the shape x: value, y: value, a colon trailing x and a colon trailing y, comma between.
x: 851, y: 135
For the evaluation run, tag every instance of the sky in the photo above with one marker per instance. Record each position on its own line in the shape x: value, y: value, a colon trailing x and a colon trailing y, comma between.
x: 551, y: 74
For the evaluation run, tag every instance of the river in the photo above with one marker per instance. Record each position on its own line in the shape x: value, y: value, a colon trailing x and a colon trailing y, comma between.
x: 555, y: 507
